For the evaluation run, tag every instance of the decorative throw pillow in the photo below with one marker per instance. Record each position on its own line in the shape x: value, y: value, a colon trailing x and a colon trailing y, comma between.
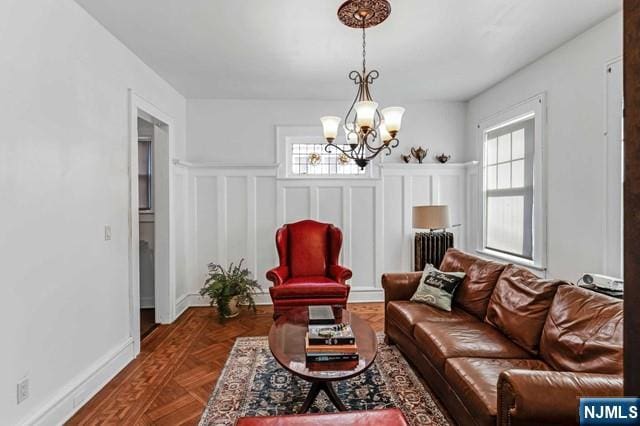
x: 436, y: 287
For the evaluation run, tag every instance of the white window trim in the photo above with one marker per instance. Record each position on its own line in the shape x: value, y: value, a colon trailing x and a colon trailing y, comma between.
x: 537, y: 105
x: 288, y: 135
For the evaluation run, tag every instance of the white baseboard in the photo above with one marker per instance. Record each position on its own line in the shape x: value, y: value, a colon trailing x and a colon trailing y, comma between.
x: 357, y: 295
x: 83, y: 387
x: 147, y: 302
x: 366, y: 295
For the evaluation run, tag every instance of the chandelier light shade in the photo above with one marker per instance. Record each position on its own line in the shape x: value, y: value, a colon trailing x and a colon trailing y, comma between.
x: 330, y: 127
x: 384, y: 133
x: 368, y: 131
x: 365, y: 113
x: 393, y: 119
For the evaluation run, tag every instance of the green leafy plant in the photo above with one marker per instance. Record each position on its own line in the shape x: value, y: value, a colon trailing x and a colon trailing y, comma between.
x: 222, y: 285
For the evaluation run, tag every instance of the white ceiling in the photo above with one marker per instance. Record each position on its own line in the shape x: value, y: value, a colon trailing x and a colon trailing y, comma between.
x: 297, y: 49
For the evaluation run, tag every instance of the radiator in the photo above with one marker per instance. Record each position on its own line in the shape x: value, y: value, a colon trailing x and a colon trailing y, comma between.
x: 430, y: 247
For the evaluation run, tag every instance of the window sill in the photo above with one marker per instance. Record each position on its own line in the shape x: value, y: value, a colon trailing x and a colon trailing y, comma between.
x: 512, y: 259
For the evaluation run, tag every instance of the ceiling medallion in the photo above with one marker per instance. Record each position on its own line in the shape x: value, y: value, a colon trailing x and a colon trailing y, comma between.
x: 352, y: 13
x: 368, y: 132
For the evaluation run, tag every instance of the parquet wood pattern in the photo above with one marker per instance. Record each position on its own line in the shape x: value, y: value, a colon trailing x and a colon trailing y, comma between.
x: 171, y: 380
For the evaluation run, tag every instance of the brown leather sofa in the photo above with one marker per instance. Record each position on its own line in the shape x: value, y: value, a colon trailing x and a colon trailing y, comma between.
x: 515, y: 349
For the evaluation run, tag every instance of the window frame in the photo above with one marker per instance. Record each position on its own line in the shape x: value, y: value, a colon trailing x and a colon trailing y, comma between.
x: 286, y: 136
x: 536, y: 107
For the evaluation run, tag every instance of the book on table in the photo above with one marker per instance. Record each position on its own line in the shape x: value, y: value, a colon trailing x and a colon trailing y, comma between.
x: 321, y: 315
x: 339, y: 334
x: 331, y: 344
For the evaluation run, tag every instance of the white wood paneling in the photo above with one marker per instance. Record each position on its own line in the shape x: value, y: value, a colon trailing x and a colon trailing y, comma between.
x: 206, y: 214
x: 235, y: 212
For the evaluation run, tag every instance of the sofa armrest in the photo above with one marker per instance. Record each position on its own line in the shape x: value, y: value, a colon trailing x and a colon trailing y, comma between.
x: 278, y: 275
x: 531, y: 396
x: 340, y: 273
x: 400, y: 286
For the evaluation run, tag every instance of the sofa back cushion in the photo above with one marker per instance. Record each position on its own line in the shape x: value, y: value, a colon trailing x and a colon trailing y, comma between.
x: 583, y: 332
x: 481, y: 276
x: 308, y: 248
x: 519, y: 306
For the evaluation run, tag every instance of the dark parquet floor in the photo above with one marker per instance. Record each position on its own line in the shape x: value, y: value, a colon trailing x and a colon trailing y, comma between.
x: 171, y: 380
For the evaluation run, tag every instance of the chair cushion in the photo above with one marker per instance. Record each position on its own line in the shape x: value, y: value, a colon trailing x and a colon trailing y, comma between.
x: 309, y: 287
x: 519, y: 306
x: 583, y: 332
x: 407, y: 314
x: 482, y: 275
x: 308, y: 248
x: 475, y: 381
x: 443, y: 340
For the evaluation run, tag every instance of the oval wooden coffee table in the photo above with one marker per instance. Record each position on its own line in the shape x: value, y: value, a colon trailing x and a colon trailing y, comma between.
x: 287, y: 339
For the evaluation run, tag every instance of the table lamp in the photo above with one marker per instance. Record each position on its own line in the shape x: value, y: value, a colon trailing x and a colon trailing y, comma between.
x: 431, y: 246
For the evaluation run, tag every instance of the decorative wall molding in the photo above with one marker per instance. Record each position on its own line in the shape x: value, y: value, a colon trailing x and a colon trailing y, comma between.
x: 83, y: 387
x: 232, y: 166
x: 233, y: 212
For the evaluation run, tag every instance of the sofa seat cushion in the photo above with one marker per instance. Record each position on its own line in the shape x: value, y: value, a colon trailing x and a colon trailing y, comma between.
x: 473, y: 339
x: 406, y: 314
x: 519, y: 306
x: 309, y: 287
x: 475, y: 381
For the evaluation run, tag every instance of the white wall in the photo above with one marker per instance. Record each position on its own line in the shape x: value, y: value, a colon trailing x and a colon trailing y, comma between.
x: 235, y: 210
x: 244, y: 130
x: 574, y: 79
x: 64, y: 153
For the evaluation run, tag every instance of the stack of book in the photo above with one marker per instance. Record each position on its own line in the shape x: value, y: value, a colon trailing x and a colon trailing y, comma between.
x: 327, y: 341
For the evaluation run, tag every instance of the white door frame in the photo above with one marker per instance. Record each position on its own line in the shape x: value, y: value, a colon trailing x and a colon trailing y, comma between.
x: 165, y: 286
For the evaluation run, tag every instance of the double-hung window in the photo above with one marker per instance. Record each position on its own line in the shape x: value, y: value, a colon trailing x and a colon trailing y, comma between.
x: 512, y: 198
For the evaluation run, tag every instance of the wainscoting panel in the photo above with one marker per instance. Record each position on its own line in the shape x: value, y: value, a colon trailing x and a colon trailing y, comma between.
x: 233, y: 211
x: 396, y: 246
x: 361, y: 239
x: 330, y: 205
x: 266, y: 225
x: 237, y: 216
x: 206, y: 220
x: 297, y: 203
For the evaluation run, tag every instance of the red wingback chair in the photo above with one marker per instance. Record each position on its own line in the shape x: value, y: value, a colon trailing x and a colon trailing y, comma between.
x: 309, y: 273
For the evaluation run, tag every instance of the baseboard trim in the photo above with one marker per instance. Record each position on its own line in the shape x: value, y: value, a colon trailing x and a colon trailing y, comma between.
x: 362, y: 295
x: 147, y: 302
x: 83, y: 387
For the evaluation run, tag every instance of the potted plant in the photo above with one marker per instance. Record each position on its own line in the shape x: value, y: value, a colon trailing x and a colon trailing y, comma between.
x: 230, y: 288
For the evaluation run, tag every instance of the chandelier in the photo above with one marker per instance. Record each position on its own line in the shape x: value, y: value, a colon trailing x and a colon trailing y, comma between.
x: 368, y: 132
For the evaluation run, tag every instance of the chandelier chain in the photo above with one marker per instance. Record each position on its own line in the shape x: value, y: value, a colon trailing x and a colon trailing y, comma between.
x: 364, y: 48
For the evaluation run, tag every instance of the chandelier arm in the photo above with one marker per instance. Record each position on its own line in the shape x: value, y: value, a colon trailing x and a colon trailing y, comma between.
x: 382, y: 148
x: 328, y: 147
x: 358, y: 78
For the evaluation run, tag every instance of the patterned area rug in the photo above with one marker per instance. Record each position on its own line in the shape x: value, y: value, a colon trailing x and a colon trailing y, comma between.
x: 254, y: 384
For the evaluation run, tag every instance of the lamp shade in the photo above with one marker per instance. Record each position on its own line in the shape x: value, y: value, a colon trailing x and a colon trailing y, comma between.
x: 365, y: 112
x: 431, y: 217
x: 330, y: 127
x: 384, y: 134
x: 393, y: 118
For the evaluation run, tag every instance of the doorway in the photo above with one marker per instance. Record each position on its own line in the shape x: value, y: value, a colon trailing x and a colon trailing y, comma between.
x: 146, y: 230
x: 151, y: 259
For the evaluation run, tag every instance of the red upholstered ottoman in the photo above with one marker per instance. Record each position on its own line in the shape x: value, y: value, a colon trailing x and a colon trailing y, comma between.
x: 389, y: 416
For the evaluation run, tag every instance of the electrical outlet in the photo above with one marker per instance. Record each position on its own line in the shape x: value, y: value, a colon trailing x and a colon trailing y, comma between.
x: 23, y: 389
x: 107, y: 232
